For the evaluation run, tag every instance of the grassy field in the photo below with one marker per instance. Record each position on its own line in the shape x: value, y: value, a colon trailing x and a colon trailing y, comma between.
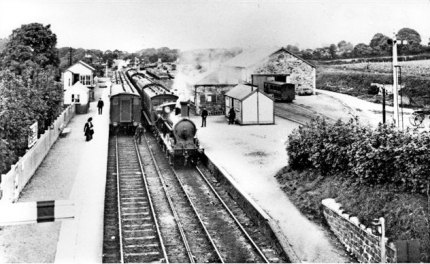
x: 408, y: 68
x: 355, y: 79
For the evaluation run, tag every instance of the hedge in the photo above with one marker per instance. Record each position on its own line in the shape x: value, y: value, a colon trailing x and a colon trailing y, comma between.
x: 384, y: 155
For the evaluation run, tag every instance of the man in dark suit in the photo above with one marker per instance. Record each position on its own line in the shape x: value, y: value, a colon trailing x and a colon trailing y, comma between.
x: 100, y: 105
x: 204, y: 115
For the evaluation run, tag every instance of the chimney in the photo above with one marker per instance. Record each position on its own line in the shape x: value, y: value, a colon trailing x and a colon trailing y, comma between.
x: 184, y: 109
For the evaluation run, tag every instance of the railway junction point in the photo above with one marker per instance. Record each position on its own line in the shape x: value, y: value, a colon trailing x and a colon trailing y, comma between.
x: 250, y: 154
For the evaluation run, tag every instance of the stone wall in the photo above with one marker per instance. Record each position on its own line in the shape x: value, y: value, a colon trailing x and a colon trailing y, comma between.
x: 282, y: 62
x: 358, y: 239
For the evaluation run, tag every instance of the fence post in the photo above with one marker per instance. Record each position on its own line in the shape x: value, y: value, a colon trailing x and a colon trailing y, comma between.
x: 383, y: 255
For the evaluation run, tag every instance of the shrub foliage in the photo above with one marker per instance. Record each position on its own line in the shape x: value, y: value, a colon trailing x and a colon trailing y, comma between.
x: 364, y: 155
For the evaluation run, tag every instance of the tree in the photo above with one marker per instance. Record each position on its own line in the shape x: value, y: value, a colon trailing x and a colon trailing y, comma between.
x: 20, y: 106
x: 410, y: 35
x: 307, y: 54
x: 293, y: 49
x: 333, y: 50
x: 33, y: 42
x: 378, y: 40
x: 362, y: 50
x: 344, y: 48
x: 3, y: 43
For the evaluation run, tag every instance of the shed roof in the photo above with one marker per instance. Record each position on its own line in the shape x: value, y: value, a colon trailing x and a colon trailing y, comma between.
x: 253, y: 56
x: 241, y: 92
x: 78, y: 87
x: 221, y: 76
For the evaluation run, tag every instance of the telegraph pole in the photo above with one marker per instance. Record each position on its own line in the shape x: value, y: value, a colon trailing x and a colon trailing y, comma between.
x: 70, y: 56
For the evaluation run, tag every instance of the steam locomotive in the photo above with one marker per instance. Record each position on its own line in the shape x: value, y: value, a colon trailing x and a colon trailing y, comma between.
x: 167, y: 118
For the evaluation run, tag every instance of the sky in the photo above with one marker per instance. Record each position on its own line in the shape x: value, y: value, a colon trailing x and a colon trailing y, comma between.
x: 132, y: 25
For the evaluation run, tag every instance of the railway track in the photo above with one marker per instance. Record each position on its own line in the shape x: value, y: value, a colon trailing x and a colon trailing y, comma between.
x: 131, y: 230
x: 153, y: 213
x: 229, y: 232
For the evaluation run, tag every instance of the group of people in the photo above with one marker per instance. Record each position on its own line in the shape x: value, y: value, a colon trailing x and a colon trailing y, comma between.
x: 231, y: 116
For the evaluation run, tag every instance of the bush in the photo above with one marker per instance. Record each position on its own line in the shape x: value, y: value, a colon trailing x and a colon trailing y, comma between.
x: 373, y: 89
x: 384, y: 155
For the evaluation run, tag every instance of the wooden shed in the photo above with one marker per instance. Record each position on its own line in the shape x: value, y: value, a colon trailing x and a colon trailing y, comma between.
x: 253, y: 107
x: 79, y: 95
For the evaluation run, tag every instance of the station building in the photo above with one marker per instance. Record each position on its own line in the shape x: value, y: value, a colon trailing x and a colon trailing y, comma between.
x: 79, y: 95
x: 79, y: 72
x: 210, y: 89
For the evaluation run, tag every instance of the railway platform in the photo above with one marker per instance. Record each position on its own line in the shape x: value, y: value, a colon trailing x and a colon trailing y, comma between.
x: 80, y: 240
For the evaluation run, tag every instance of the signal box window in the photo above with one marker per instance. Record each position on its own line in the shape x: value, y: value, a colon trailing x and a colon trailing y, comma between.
x: 85, y: 79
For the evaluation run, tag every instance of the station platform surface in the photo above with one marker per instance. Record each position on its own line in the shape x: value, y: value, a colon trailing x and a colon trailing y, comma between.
x: 81, y: 240
x: 73, y: 170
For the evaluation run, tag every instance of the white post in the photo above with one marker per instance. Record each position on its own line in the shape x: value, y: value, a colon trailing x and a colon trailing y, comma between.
x: 383, y: 256
x: 395, y: 84
x: 106, y: 74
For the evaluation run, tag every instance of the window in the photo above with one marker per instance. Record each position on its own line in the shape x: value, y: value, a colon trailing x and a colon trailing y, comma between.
x: 210, y: 98
x: 85, y: 79
x: 75, y: 98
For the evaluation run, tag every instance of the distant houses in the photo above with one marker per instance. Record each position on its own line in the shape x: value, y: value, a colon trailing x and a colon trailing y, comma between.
x: 208, y: 90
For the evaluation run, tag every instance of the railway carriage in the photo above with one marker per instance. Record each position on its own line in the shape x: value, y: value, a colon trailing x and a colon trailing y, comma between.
x: 125, y: 106
x: 281, y: 91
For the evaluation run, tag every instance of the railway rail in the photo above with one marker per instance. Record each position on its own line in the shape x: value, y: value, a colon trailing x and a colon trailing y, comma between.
x: 154, y: 213
x: 230, y: 232
x: 132, y: 233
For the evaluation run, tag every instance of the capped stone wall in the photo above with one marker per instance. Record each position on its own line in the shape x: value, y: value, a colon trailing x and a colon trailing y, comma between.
x: 358, y: 239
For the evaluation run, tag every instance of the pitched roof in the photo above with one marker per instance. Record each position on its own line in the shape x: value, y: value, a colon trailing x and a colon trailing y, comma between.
x: 78, y: 87
x: 80, y: 62
x: 220, y: 76
x: 253, y: 56
x: 241, y: 91
x: 86, y: 65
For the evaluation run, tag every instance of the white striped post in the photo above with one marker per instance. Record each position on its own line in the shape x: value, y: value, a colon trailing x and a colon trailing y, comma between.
x: 36, y: 212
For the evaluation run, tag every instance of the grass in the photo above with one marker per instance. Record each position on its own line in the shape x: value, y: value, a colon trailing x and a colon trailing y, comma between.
x: 406, y: 215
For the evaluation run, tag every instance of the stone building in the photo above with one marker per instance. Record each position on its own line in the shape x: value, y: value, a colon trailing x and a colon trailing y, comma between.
x: 209, y: 90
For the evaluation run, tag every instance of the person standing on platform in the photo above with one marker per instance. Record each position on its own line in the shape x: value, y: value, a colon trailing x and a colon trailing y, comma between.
x: 204, y: 115
x: 232, y: 116
x: 139, y: 132
x: 100, y: 105
x: 89, y: 129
